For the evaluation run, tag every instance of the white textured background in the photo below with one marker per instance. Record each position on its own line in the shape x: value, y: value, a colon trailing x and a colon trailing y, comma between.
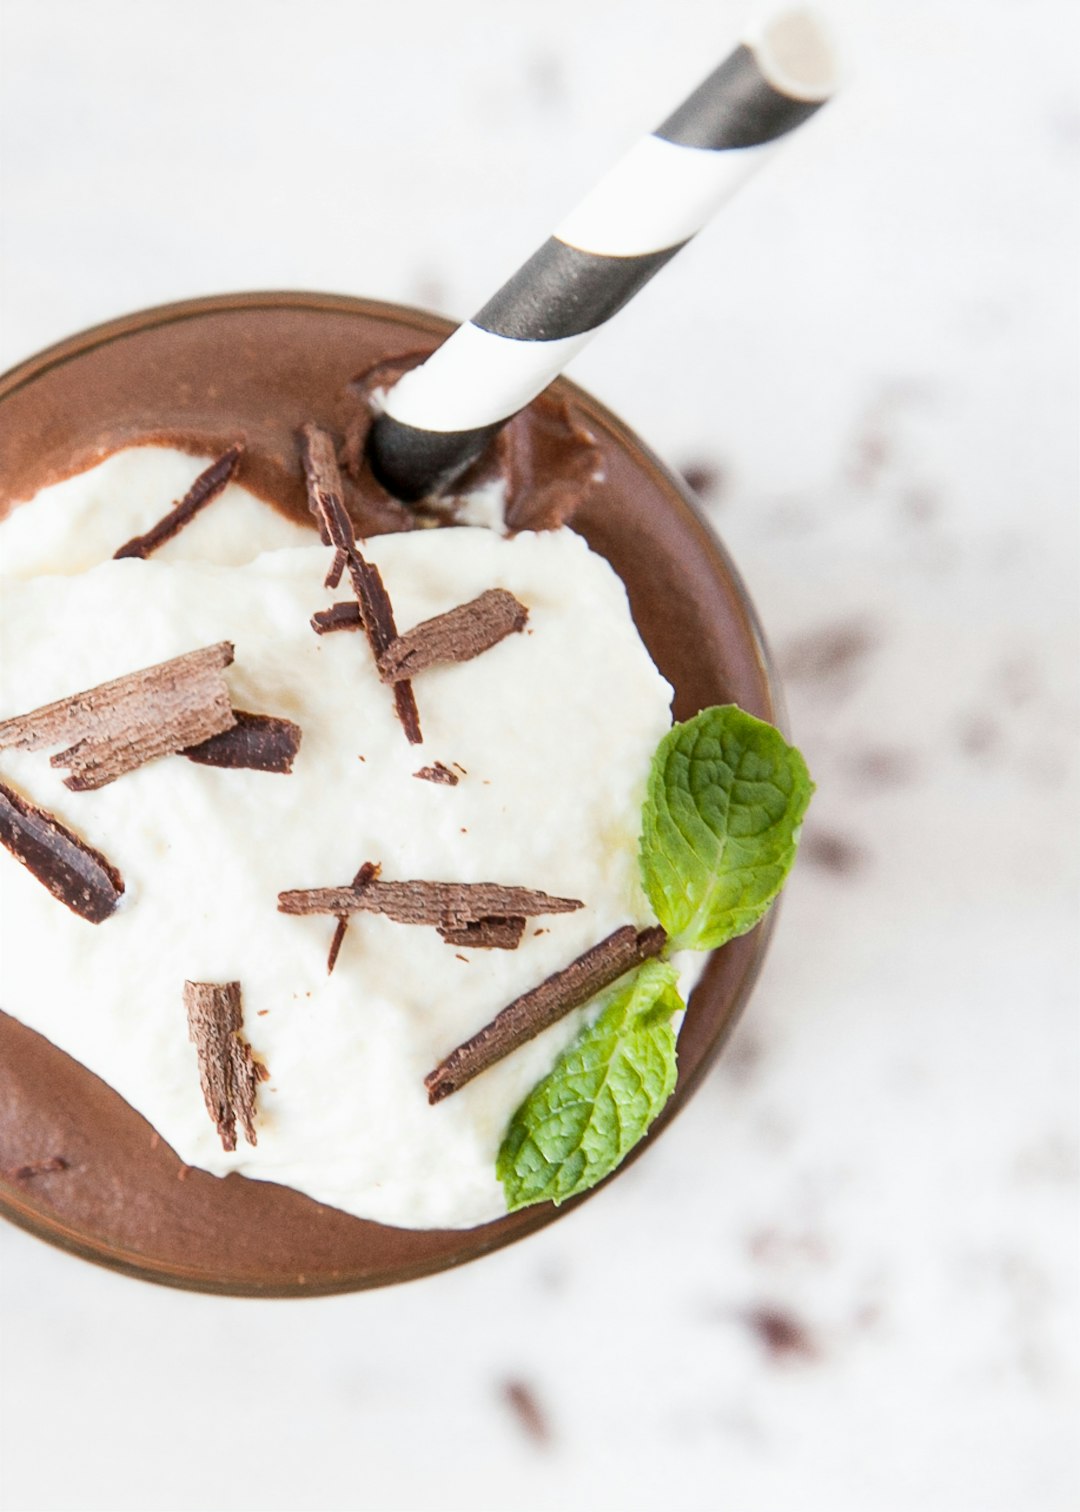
x: 846, y: 1279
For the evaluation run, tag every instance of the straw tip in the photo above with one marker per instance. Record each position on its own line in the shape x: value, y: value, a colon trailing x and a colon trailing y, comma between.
x: 795, y: 52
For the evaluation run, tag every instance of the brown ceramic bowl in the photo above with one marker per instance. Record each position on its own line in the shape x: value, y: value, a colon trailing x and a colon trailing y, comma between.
x: 262, y: 364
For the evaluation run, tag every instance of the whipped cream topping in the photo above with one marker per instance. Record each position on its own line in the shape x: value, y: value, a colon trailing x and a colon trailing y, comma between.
x: 554, y: 728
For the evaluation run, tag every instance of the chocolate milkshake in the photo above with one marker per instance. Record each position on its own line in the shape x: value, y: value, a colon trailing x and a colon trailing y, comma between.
x: 246, y: 377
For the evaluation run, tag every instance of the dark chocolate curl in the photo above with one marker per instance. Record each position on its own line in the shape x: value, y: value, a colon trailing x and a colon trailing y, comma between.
x: 120, y: 725
x: 203, y: 491
x: 442, y: 904
x: 77, y: 875
x: 256, y: 742
x: 229, y: 1074
x: 536, y: 1010
x: 326, y: 501
x: 456, y: 636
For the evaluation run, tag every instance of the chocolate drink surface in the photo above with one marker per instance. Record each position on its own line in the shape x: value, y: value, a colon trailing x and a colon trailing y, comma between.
x: 198, y: 377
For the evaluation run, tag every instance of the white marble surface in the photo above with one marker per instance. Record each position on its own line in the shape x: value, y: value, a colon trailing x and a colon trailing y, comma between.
x: 880, y: 374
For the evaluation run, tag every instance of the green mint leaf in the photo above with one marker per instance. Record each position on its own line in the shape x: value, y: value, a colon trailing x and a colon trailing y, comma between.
x: 725, y: 800
x: 576, y: 1125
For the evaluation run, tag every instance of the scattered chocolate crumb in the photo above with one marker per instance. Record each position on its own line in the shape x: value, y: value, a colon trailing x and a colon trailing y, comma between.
x: 75, y: 873
x: 460, y: 768
x: 120, y: 725
x: 832, y: 852
x: 257, y: 742
x: 883, y: 766
x: 367, y: 873
x: 229, y: 1074
x: 35, y: 1168
x: 540, y: 931
x: 486, y: 934
x: 782, y: 1335
x: 362, y: 758
x: 438, y: 773
x: 703, y: 478
x: 979, y: 735
x: 833, y: 651
x: 460, y: 957
x: 262, y: 1013
x: 536, y: 1010
x: 447, y: 905
x: 522, y: 1401
x: 203, y: 491
x: 326, y: 503
x: 344, y: 616
x: 459, y: 635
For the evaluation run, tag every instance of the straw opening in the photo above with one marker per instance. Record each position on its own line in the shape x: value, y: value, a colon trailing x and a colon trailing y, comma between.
x: 796, y: 55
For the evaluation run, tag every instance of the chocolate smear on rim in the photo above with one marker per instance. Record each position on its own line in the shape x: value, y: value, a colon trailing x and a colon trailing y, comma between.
x: 344, y: 616
x: 48, y: 1167
x: 256, y: 742
x: 325, y: 498
x: 120, y: 725
x: 486, y: 934
x: 229, y: 1074
x: 447, y: 905
x: 438, y: 773
x: 547, y: 462
x: 456, y: 636
x: 536, y: 1010
x: 366, y: 874
x: 77, y: 875
x: 202, y: 492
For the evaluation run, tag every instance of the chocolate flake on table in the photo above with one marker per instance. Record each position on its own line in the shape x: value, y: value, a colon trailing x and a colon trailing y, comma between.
x: 344, y: 616
x: 542, y: 1006
x: 487, y: 934
x: 258, y: 742
x: 447, y: 905
x: 123, y: 724
x: 438, y: 773
x: 325, y: 499
x: 203, y: 491
x: 457, y: 636
x: 77, y: 875
x: 367, y: 873
x: 229, y: 1074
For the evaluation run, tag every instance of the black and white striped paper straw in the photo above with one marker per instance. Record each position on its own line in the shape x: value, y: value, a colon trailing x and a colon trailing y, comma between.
x: 438, y: 418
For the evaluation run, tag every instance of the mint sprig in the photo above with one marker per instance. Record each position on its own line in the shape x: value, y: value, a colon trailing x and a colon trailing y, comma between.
x: 726, y: 798
x: 576, y: 1126
x: 725, y: 801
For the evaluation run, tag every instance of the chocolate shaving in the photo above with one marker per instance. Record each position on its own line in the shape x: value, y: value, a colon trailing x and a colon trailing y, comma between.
x: 450, y: 905
x: 76, y: 874
x: 536, y: 1010
x: 487, y: 934
x: 229, y: 1074
x: 366, y: 874
x: 335, y: 570
x: 203, y: 491
x: 325, y: 501
x: 123, y: 724
x: 345, y: 616
x: 438, y: 773
x: 456, y: 636
x: 259, y: 742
